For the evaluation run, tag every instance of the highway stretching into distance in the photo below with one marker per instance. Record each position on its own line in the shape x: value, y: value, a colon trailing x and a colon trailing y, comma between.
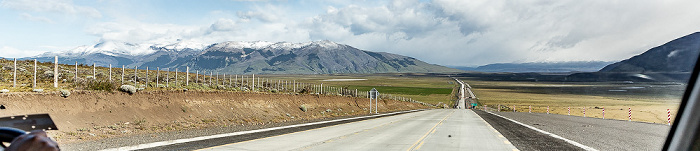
x: 427, y: 130
x: 437, y: 129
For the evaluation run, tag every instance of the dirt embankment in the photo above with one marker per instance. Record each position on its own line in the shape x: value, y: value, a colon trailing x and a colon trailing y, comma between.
x: 89, y: 115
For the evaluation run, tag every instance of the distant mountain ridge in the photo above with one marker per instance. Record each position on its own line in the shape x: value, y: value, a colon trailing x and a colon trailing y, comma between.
x: 572, y: 66
x: 678, y: 55
x: 258, y: 57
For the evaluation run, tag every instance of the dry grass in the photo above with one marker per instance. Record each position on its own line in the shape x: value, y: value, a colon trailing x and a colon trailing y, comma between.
x: 645, y: 109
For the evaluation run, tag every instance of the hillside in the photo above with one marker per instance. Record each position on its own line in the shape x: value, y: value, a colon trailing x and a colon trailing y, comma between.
x: 317, y: 57
x: 678, y: 55
x: 573, y: 66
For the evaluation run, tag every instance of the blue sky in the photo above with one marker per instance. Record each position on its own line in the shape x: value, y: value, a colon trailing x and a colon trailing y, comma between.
x: 446, y: 32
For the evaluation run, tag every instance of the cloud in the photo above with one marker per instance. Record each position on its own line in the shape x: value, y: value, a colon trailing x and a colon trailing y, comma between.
x: 10, y: 52
x: 447, y: 32
x: 52, y: 6
x: 457, y: 32
x: 35, y: 18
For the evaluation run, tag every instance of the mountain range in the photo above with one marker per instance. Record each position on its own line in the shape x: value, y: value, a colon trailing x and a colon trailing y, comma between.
x: 233, y: 57
x: 561, y: 67
x: 678, y: 55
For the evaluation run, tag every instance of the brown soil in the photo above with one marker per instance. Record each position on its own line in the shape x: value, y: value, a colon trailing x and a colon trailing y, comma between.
x: 90, y: 115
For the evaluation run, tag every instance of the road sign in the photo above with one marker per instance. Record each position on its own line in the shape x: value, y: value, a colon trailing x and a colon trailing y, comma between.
x: 373, y: 93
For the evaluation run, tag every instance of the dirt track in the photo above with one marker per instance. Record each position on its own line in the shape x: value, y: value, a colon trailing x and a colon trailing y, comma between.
x: 89, y: 115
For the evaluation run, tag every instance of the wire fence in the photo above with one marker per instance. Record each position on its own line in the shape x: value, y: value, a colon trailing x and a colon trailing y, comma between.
x: 628, y: 113
x: 24, y: 75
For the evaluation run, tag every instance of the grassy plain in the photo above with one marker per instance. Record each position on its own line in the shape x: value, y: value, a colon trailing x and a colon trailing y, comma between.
x: 649, y: 101
x: 420, y: 87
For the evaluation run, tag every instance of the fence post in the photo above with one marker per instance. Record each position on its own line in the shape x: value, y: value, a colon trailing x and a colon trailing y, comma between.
x: 167, y: 78
x: 94, y: 76
x: 187, y: 76
x: 147, y: 79
x: 253, y: 82
x: 223, y: 80
x: 110, y: 72
x: 75, y: 78
x: 123, y: 70
x: 176, y: 77
x: 136, y: 69
x: 55, y: 72
x: 157, y: 76
x: 14, y: 75
x: 34, y: 82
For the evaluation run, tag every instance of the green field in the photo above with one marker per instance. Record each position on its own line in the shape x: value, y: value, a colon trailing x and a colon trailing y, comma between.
x: 420, y: 87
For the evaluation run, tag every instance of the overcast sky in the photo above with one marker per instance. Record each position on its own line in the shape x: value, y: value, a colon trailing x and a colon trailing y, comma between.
x: 445, y: 32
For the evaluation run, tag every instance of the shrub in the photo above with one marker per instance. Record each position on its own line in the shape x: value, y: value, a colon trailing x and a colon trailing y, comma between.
x: 303, y: 107
x: 65, y: 93
x: 128, y: 89
x: 100, y: 85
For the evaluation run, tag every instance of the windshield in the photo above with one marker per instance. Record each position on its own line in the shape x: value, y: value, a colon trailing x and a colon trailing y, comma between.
x: 347, y: 75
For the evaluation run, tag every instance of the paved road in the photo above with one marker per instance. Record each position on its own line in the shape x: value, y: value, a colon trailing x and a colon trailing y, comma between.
x: 464, y: 100
x: 447, y: 129
x: 461, y: 102
x: 601, y: 134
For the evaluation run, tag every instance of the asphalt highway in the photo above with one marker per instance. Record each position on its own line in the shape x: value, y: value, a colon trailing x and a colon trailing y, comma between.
x: 447, y: 129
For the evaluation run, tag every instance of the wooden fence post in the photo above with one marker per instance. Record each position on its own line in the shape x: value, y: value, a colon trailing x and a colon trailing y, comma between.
x: 55, y: 72
x: 147, y: 77
x: 122, y: 74
x: 167, y: 78
x: 136, y: 83
x: 187, y: 76
x: 14, y: 75
x: 34, y: 81
x: 157, y: 76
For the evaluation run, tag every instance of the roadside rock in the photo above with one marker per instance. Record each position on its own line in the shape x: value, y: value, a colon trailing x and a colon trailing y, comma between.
x: 128, y: 89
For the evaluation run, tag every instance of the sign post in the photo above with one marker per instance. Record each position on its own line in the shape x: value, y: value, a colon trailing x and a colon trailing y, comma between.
x: 373, y: 94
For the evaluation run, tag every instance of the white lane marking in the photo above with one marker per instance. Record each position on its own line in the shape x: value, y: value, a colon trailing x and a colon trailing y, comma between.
x: 550, y: 134
x: 185, y: 140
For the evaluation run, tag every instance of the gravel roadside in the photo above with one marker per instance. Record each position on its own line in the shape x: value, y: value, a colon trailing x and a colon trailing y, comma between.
x: 601, y: 134
x: 190, y: 133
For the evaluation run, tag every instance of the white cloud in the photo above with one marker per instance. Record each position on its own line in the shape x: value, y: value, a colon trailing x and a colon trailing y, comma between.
x: 448, y: 32
x: 52, y: 6
x: 35, y: 18
x: 10, y: 52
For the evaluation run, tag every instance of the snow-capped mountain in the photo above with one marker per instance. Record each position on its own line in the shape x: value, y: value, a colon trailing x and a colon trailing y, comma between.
x: 241, y: 57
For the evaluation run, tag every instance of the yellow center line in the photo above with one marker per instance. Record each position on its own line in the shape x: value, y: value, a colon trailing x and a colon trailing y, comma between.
x: 426, y: 134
